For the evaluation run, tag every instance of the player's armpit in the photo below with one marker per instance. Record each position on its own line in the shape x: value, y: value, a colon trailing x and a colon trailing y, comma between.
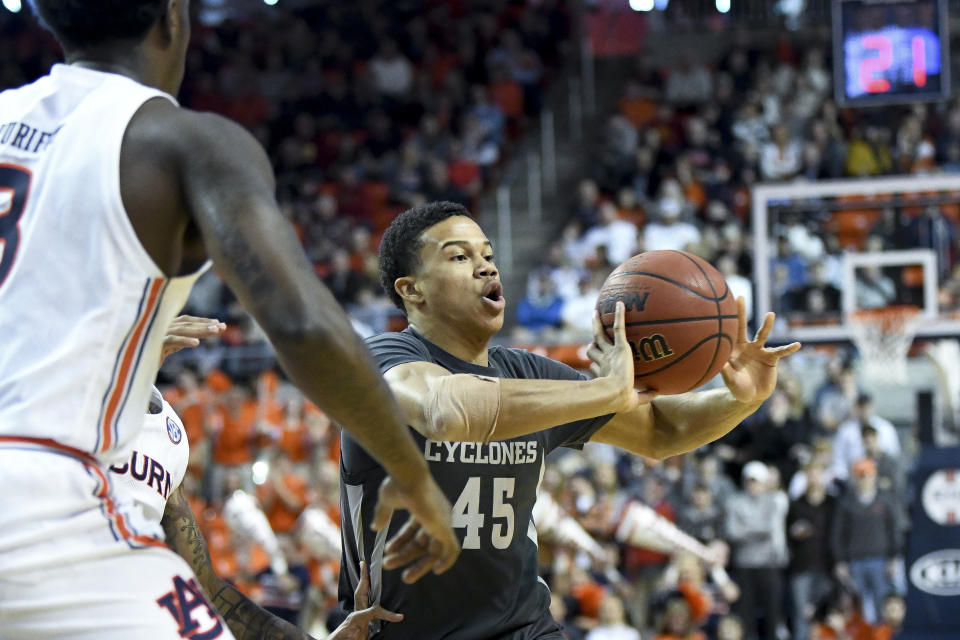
x: 246, y: 620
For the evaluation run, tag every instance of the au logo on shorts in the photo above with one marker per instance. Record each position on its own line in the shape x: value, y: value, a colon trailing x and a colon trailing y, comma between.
x: 174, y: 431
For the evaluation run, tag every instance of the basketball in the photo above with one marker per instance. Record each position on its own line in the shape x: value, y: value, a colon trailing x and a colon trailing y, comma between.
x: 681, y: 319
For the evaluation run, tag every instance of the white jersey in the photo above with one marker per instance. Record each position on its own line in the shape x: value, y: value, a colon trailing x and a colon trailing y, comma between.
x: 156, y: 462
x: 83, y: 308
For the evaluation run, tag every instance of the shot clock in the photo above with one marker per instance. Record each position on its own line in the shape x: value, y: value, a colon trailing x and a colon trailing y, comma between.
x: 890, y: 51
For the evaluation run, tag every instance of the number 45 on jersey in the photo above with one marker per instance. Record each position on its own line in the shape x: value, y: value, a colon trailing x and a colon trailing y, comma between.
x: 467, y: 513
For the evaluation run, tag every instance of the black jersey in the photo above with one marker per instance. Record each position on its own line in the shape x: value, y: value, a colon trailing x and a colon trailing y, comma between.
x: 493, y: 592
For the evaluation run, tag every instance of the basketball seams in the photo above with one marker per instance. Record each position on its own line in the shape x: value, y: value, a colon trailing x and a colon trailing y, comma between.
x: 640, y: 323
x: 717, y: 336
x: 673, y: 282
x: 716, y: 348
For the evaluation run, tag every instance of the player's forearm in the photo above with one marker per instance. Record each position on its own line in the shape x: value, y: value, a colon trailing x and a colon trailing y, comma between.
x: 687, y: 421
x: 527, y: 406
x: 246, y: 620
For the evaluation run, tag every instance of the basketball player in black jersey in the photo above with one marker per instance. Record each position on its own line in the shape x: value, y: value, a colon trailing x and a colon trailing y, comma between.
x: 485, y: 418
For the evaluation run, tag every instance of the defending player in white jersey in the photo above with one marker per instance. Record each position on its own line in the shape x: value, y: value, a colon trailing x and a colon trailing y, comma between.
x: 112, y: 197
x: 151, y: 476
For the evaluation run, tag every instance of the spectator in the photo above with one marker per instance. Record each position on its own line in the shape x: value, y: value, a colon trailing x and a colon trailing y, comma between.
x: 740, y: 286
x: 809, y: 523
x: 891, y: 619
x: 613, y: 622
x: 867, y: 538
x: 874, y: 290
x: 891, y: 475
x: 701, y: 518
x: 558, y: 609
x: 848, y: 444
x: 780, y: 159
x: 668, y: 231
x: 677, y: 622
x: 756, y: 520
x: 541, y: 308
x: 690, y: 84
x: 587, y: 207
x: 618, y: 236
x: 819, y: 298
x: 392, y: 72
x: 730, y: 628
x: 344, y: 283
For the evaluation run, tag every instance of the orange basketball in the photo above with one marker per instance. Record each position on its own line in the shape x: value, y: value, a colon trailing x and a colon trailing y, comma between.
x: 681, y: 319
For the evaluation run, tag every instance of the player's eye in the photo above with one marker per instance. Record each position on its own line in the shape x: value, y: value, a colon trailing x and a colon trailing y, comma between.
x: 459, y: 257
x: 488, y: 258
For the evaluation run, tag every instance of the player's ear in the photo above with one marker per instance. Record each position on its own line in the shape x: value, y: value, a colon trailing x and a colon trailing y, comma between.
x: 171, y: 22
x: 406, y: 287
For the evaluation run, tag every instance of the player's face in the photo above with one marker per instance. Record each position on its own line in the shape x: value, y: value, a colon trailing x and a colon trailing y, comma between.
x: 458, y: 279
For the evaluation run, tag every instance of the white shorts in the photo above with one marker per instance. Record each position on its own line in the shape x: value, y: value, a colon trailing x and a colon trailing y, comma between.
x: 75, y: 564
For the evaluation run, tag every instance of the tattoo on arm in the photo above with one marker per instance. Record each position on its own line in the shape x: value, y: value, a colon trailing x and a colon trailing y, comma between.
x: 245, y: 619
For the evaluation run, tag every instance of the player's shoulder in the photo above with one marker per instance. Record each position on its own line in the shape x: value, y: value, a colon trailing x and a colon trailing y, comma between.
x: 164, y: 127
x: 522, y: 363
x: 397, y: 340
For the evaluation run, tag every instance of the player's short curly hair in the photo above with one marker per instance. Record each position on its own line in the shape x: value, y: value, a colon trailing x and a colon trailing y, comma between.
x: 401, y: 243
x: 81, y: 24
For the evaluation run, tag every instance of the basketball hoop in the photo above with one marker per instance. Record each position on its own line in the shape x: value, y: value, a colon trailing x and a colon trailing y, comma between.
x: 883, y: 338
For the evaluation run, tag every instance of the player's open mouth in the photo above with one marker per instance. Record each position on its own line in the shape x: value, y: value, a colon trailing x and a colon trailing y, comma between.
x: 493, y: 295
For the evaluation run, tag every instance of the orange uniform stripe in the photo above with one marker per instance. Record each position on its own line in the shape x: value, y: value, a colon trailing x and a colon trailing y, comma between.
x: 91, y: 463
x: 121, y: 379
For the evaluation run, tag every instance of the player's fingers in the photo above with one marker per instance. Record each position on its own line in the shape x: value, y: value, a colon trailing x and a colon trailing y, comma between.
x: 363, y: 588
x: 595, y: 370
x: 377, y: 612
x: 785, y: 350
x: 417, y: 570
x: 600, y: 339
x: 196, y: 329
x: 446, y: 557
x: 382, y: 513
x: 620, y: 324
x: 764, y: 331
x: 404, y: 556
x: 179, y: 342
x: 404, y: 537
x: 741, y: 320
x: 594, y: 353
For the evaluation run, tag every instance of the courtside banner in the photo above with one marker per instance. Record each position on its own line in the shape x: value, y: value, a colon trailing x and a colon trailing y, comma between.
x: 933, y: 547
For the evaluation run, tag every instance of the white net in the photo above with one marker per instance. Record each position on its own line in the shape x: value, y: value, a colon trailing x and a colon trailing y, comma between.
x: 883, y: 338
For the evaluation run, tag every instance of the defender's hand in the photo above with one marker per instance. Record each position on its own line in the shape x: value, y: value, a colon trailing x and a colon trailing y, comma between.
x: 357, y: 624
x: 613, y: 362
x: 185, y: 332
x: 427, y: 539
x: 751, y: 372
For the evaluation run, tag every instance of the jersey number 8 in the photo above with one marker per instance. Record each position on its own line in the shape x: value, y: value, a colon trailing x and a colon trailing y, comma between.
x: 14, y: 185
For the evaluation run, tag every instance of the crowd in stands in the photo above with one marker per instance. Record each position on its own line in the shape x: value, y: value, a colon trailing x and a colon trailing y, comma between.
x: 385, y: 105
x: 676, y: 161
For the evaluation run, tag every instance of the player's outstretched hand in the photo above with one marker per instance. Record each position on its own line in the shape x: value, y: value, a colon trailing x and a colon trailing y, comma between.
x: 751, y: 372
x: 186, y: 331
x: 427, y: 539
x: 357, y: 624
x: 614, y: 361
